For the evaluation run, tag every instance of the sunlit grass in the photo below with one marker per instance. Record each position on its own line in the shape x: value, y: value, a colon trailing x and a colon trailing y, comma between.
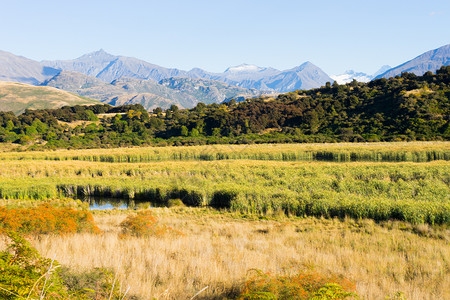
x: 218, y: 250
x: 413, y: 192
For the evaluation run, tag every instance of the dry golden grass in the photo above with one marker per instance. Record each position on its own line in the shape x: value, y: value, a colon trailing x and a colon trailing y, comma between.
x: 418, y: 92
x: 229, y: 149
x: 218, y: 250
x: 77, y: 123
x: 17, y: 97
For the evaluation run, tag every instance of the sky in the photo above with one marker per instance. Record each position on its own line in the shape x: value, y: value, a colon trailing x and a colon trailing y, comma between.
x: 214, y: 35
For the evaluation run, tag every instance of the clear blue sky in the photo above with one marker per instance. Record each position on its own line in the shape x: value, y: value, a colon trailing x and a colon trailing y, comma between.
x: 334, y: 35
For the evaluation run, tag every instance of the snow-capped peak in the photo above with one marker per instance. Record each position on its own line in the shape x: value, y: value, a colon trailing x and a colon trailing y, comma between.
x: 349, y: 75
x: 243, y: 68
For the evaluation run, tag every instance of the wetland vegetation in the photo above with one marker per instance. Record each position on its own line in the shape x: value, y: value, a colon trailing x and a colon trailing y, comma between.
x: 282, y: 210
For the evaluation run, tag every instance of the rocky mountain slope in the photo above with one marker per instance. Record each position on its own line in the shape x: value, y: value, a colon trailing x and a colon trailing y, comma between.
x: 183, y: 92
x: 20, y: 69
x: 109, y: 67
x: 303, y: 77
x: 428, y: 61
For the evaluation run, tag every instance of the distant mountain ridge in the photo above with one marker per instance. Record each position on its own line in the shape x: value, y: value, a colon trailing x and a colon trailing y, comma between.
x: 20, y: 69
x: 109, y: 67
x: 184, y: 92
x: 126, y: 80
x: 429, y: 61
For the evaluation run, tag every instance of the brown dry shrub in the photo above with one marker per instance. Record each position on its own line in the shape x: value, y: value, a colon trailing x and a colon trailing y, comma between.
x: 145, y: 224
x: 46, y: 219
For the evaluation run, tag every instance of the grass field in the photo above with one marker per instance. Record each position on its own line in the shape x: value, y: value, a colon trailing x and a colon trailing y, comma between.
x: 377, y: 214
x: 218, y: 250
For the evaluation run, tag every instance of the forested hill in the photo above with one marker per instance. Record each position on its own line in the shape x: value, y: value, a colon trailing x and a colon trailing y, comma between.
x: 406, y: 107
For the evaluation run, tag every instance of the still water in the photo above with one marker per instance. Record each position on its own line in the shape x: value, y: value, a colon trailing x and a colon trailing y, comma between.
x: 101, y: 203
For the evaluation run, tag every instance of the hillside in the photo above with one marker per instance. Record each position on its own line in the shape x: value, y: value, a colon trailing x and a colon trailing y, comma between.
x: 208, y: 91
x: 404, y: 108
x: 17, y: 97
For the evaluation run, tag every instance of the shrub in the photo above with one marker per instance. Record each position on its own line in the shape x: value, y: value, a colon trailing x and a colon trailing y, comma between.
x: 175, y: 202
x: 94, y: 284
x: 145, y: 224
x: 24, y: 273
x: 45, y: 219
x: 307, y: 284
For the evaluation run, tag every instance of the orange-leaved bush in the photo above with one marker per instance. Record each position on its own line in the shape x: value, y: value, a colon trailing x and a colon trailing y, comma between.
x: 45, y: 219
x: 307, y: 284
x: 144, y: 224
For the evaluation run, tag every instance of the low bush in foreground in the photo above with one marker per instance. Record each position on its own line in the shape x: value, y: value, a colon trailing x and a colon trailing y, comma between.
x: 46, y: 219
x: 145, y: 224
x: 24, y: 274
x: 307, y: 284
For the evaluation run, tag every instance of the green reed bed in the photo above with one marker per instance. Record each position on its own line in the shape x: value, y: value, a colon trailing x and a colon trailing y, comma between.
x: 413, y: 192
x: 376, y: 152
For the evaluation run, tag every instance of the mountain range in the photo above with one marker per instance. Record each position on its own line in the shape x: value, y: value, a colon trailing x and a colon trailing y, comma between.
x: 126, y: 80
x: 183, y: 92
x: 108, y: 68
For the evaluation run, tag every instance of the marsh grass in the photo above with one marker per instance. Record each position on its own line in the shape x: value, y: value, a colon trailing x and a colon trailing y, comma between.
x: 414, y: 192
x: 218, y: 250
x: 383, y: 224
x: 339, y: 152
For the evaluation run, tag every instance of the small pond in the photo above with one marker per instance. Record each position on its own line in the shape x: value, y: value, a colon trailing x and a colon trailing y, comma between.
x: 102, y: 203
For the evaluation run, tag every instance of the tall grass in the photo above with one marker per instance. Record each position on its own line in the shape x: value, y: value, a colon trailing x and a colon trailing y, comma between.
x: 413, y: 192
x: 218, y: 250
x: 376, y: 152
